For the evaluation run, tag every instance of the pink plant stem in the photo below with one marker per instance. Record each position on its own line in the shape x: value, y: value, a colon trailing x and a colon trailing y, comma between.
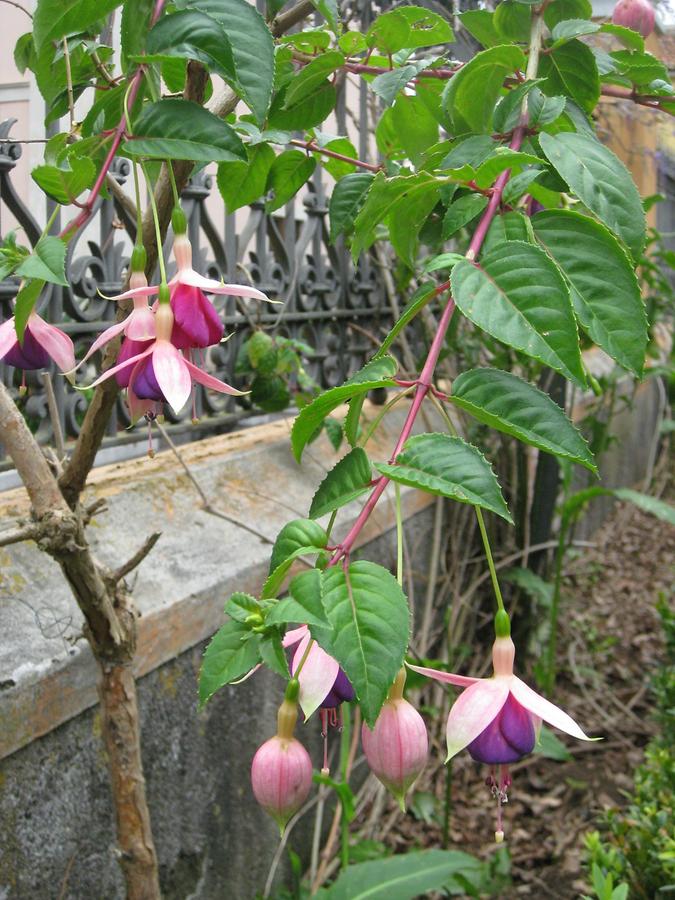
x: 314, y: 148
x: 424, y: 382
x: 118, y: 134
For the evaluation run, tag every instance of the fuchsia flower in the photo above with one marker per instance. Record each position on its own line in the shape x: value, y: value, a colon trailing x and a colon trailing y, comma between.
x: 41, y: 342
x: 159, y: 373
x: 323, y: 684
x: 398, y: 746
x: 281, y: 771
x: 497, y: 719
x: 636, y: 14
x: 196, y: 322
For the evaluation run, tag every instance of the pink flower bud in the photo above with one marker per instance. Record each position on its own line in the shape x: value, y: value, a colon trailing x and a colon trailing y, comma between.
x: 397, y: 747
x: 635, y: 14
x: 281, y: 775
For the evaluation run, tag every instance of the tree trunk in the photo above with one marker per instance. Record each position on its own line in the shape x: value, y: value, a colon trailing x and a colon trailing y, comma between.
x: 121, y: 732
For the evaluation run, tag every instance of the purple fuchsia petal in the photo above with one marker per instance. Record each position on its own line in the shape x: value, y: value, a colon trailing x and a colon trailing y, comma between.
x: 143, y: 381
x: 30, y: 355
x: 545, y: 710
x: 128, y: 351
x: 508, y: 738
x: 196, y: 322
x: 473, y: 711
x: 341, y: 692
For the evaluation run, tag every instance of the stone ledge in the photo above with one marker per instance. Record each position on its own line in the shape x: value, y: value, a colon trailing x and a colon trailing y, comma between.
x: 47, y: 672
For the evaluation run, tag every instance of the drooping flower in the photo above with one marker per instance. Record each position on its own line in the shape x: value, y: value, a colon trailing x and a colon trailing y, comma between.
x: 497, y: 719
x: 281, y: 771
x: 397, y: 747
x: 636, y: 14
x: 41, y: 342
x: 196, y: 322
x: 160, y: 372
x: 323, y: 684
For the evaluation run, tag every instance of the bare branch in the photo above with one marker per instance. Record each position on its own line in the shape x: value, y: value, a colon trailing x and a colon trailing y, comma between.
x: 17, y: 535
x: 285, y: 21
x: 137, y: 558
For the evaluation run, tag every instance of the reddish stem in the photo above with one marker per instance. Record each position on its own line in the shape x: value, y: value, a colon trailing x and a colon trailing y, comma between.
x: 314, y: 148
x: 364, y: 69
x: 118, y: 134
x: 424, y: 382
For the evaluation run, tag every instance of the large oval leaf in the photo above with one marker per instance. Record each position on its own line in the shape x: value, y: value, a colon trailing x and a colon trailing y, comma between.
x: 180, y: 129
x: 605, y: 290
x: 194, y: 35
x: 448, y: 466
x: 252, y: 48
x: 232, y: 652
x: 346, y: 481
x: 346, y: 200
x: 571, y: 70
x: 54, y: 19
x: 370, y: 618
x: 519, y: 297
x: 377, y: 373
x: 511, y: 405
x: 601, y: 181
x: 300, y: 533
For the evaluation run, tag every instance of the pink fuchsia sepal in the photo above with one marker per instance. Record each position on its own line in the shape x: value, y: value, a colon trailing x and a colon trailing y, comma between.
x: 41, y: 343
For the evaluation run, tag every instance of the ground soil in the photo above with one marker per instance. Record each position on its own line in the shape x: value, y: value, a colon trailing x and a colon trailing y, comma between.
x: 609, y: 644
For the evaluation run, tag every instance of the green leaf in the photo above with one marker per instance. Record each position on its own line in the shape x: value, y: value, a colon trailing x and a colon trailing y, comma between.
x: 511, y: 405
x: 371, y: 622
x: 503, y: 159
x: 652, y: 505
x: 518, y: 185
x: 472, y: 93
x: 601, y: 181
x: 273, y: 655
x: 519, y: 297
x: 408, y: 27
x: 567, y: 9
x: 273, y: 584
x: 312, y: 76
x: 295, y: 535
x: 511, y: 226
x: 570, y: 28
x: 352, y: 420
x: 312, y: 111
x: 11, y: 255
x: 25, y: 303
x: 605, y: 290
x: 442, y: 261
x: 627, y: 36
x: 571, y: 70
x: 240, y: 606
x: 65, y: 185
x: 329, y: 10
x: 383, y: 194
x: 461, y: 212
x: 47, y: 261
x: 377, y: 373
x: 480, y: 24
x: 388, y: 84
x: 241, y: 183
x: 304, y: 605
x: 54, y: 19
x: 423, y: 295
x: 346, y: 481
x: 232, y: 652
x: 640, y: 68
x: 551, y: 747
x: 405, y: 220
x: 507, y: 111
x: 180, y: 129
x: 416, y: 126
x: 402, y: 877
x: 346, y: 200
x: 194, y: 35
x: 252, y: 48
x: 449, y: 467
x: 512, y: 21
x: 287, y: 174
x: 543, y: 110
x: 136, y: 15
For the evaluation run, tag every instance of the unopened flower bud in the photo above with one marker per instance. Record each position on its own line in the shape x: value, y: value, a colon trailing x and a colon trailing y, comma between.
x: 636, y: 14
x: 397, y: 747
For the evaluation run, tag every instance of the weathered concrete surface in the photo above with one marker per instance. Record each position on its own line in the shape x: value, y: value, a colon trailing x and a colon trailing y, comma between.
x: 56, y: 825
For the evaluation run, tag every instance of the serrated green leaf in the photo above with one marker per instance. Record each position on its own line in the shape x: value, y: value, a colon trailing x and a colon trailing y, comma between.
x: 511, y: 405
x: 47, y: 262
x: 570, y: 28
x: 471, y: 94
x: 252, y: 48
x: 518, y: 185
x: 288, y: 173
x: 639, y: 67
x: 347, y: 480
x: 480, y: 24
x: 352, y: 420
x: 627, y: 36
x: 240, y: 606
x: 232, y: 652
x: 571, y: 70
x: 543, y: 110
x: 567, y: 9
x: 461, y: 212
x: 512, y: 21
x: 136, y: 15
x: 25, y: 303
x: 408, y: 27
x: 377, y: 373
x: 550, y: 746
x: 54, y: 19
x: 388, y: 85
x: 273, y: 655
x: 65, y: 185
x: 402, y: 877
x: 511, y: 226
x: 312, y: 111
x: 423, y: 295
x: 240, y: 183
x: 304, y: 605
x: 312, y: 76
x: 605, y: 289
x: 180, y: 129
x: 346, y: 200
x: 300, y: 533
x: 370, y: 618
x: 508, y: 110
x: 601, y: 181
x: 502, y: 160
x: 274, y: 582
x: 449, y: 467
x: 652, y: 505
x: 405, y: 220
x: 519, y: 297
x: 194, y: 35
x: 416, y: 126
